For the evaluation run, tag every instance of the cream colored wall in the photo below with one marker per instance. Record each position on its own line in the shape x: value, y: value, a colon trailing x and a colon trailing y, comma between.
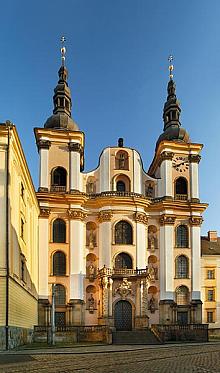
x: 3, y: 303
x: 22, y: 294
x: 210, y: 262
x: 22, y: 307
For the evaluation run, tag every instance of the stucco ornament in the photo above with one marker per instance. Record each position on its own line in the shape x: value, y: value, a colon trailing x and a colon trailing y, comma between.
x: 124, y: 289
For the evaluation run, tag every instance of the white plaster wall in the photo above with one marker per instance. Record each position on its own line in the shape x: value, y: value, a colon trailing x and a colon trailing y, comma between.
x: 43, y: 258
x: 196, y: 262
x: 194, y: 180
x: 105, y: 240
x: 75, y: 176
x: 141, y: 245
x: 137, y: 173
x: 77, y: 262
x: 166, y: 178
x: 105, y: 184
x: 43, y: 182
x: 166, y: 262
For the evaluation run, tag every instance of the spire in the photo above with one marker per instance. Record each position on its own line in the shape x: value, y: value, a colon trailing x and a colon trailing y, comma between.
x: 172, y: 130
x: 62, y: 98
x: 172, y: 110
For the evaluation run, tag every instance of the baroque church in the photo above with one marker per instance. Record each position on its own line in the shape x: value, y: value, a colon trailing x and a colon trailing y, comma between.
x: 121, y: 244
x: 116, y: 247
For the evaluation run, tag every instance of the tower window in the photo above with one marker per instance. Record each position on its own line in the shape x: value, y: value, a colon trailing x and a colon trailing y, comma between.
x: 59, y: 264
x: 59, y: 231
x: 182, y: 267
x: 181, y: 186
x: 182, y: 296
x: 60, y: 295
x: 123, y: 233
x: 182, y: 236
x: 59, y: 177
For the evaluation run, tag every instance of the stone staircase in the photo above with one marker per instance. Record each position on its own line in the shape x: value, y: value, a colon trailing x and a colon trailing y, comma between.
x: 145, y: 337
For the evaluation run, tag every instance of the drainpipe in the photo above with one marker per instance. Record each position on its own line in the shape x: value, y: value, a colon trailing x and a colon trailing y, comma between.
x: 8, y: 124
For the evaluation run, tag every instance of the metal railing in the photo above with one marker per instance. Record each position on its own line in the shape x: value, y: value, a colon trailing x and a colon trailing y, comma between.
x: 181, y: 197
x: 122, y: 272
x: 58, y: 188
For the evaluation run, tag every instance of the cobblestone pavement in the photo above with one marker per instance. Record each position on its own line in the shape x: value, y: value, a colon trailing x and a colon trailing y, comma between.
x: 199, y: 358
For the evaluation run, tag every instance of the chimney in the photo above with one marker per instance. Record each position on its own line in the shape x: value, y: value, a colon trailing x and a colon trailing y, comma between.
x: 120, y: 142
x: 212, y: 236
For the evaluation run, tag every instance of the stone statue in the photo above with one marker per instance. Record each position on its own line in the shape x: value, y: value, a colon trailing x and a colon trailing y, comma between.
x: 91, y: 271
x: 151, y: 273
x: 91, y: 238
x: 152, y: 304
x: 91, y: 303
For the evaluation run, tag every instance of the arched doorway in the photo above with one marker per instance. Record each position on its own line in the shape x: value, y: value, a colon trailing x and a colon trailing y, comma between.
x: 123, y: 315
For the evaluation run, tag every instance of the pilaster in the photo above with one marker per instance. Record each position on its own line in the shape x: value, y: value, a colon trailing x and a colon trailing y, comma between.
x: 75, y: 150
x: 166, y: 257
x: 77, y: 264
x: 43, y: 252
x: 166, y: 174
x: 43, y: 148
x: 141, y: 220
x: 194, y: 160
x: 105, y: 238
x: 195, y: 222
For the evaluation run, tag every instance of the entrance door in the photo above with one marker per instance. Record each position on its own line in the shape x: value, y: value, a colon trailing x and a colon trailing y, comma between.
x: 123, y: 315
x: 182, y: 318
x: 59, y: 318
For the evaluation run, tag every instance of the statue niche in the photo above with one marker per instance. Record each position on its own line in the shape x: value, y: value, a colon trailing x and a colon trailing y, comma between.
x: 91, y: 235
x: 152, y: 238
x: 90, y: 300
x: 152, y: 299
x: 91, y: 267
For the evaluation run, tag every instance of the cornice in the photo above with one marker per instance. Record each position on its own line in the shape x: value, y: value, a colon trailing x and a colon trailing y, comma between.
x: 75, y: 147
x: 194, y: 158
x: 43, y: 144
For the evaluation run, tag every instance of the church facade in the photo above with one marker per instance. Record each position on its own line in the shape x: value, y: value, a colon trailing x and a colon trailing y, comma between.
x: 119, y: 245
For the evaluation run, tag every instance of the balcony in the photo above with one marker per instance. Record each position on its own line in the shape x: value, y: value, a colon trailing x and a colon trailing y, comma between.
x: 122, y: 272
x: 181, y: 197
x: 58, y: 189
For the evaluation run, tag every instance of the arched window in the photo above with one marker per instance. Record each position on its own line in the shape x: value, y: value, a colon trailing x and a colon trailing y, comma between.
x: 181, y: 188
x: 59, y: 263
x: 59, y: 177
x: 59, y: 231
x: 120, y: 186
x: 123, y: 233
x: 60, y: 295
x: 182, y: 267
x: 182, y: 296
x: 123, y: 260
x: 182, y: 236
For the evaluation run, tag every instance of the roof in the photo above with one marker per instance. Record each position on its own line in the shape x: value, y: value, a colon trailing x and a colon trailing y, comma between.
x: 210, y: 247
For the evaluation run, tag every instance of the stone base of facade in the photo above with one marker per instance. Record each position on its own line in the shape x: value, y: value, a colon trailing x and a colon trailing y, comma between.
x: 108, y: 321
x: 141, y: 322
x: 16, y: 337
x: 166, y: 311
x: 76, y: 312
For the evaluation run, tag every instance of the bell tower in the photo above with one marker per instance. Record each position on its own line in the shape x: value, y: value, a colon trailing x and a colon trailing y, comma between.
x: 61, y: 229
x: 175, y: 165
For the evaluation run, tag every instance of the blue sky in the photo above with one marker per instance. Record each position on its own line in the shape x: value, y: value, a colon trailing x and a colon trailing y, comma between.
x: 117, y: 59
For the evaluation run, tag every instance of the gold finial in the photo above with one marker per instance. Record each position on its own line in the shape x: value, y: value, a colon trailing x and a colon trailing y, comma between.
x: 63, y: 50
x: 170, y: 59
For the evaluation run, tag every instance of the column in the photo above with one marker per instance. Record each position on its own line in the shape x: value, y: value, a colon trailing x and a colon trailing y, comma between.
x: 141, y: 220
x: 43, y: 252
x: 196, y: 222
x: 77, y: 263
x: 138, y: 298
x: 105, y: 296
x: 105, y: 238
x: 194, y: 160
x: 166, y: 174
x: 43, y: 148
x: 75, y: 150
x: 110, y: 297
x: 166, y: 257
